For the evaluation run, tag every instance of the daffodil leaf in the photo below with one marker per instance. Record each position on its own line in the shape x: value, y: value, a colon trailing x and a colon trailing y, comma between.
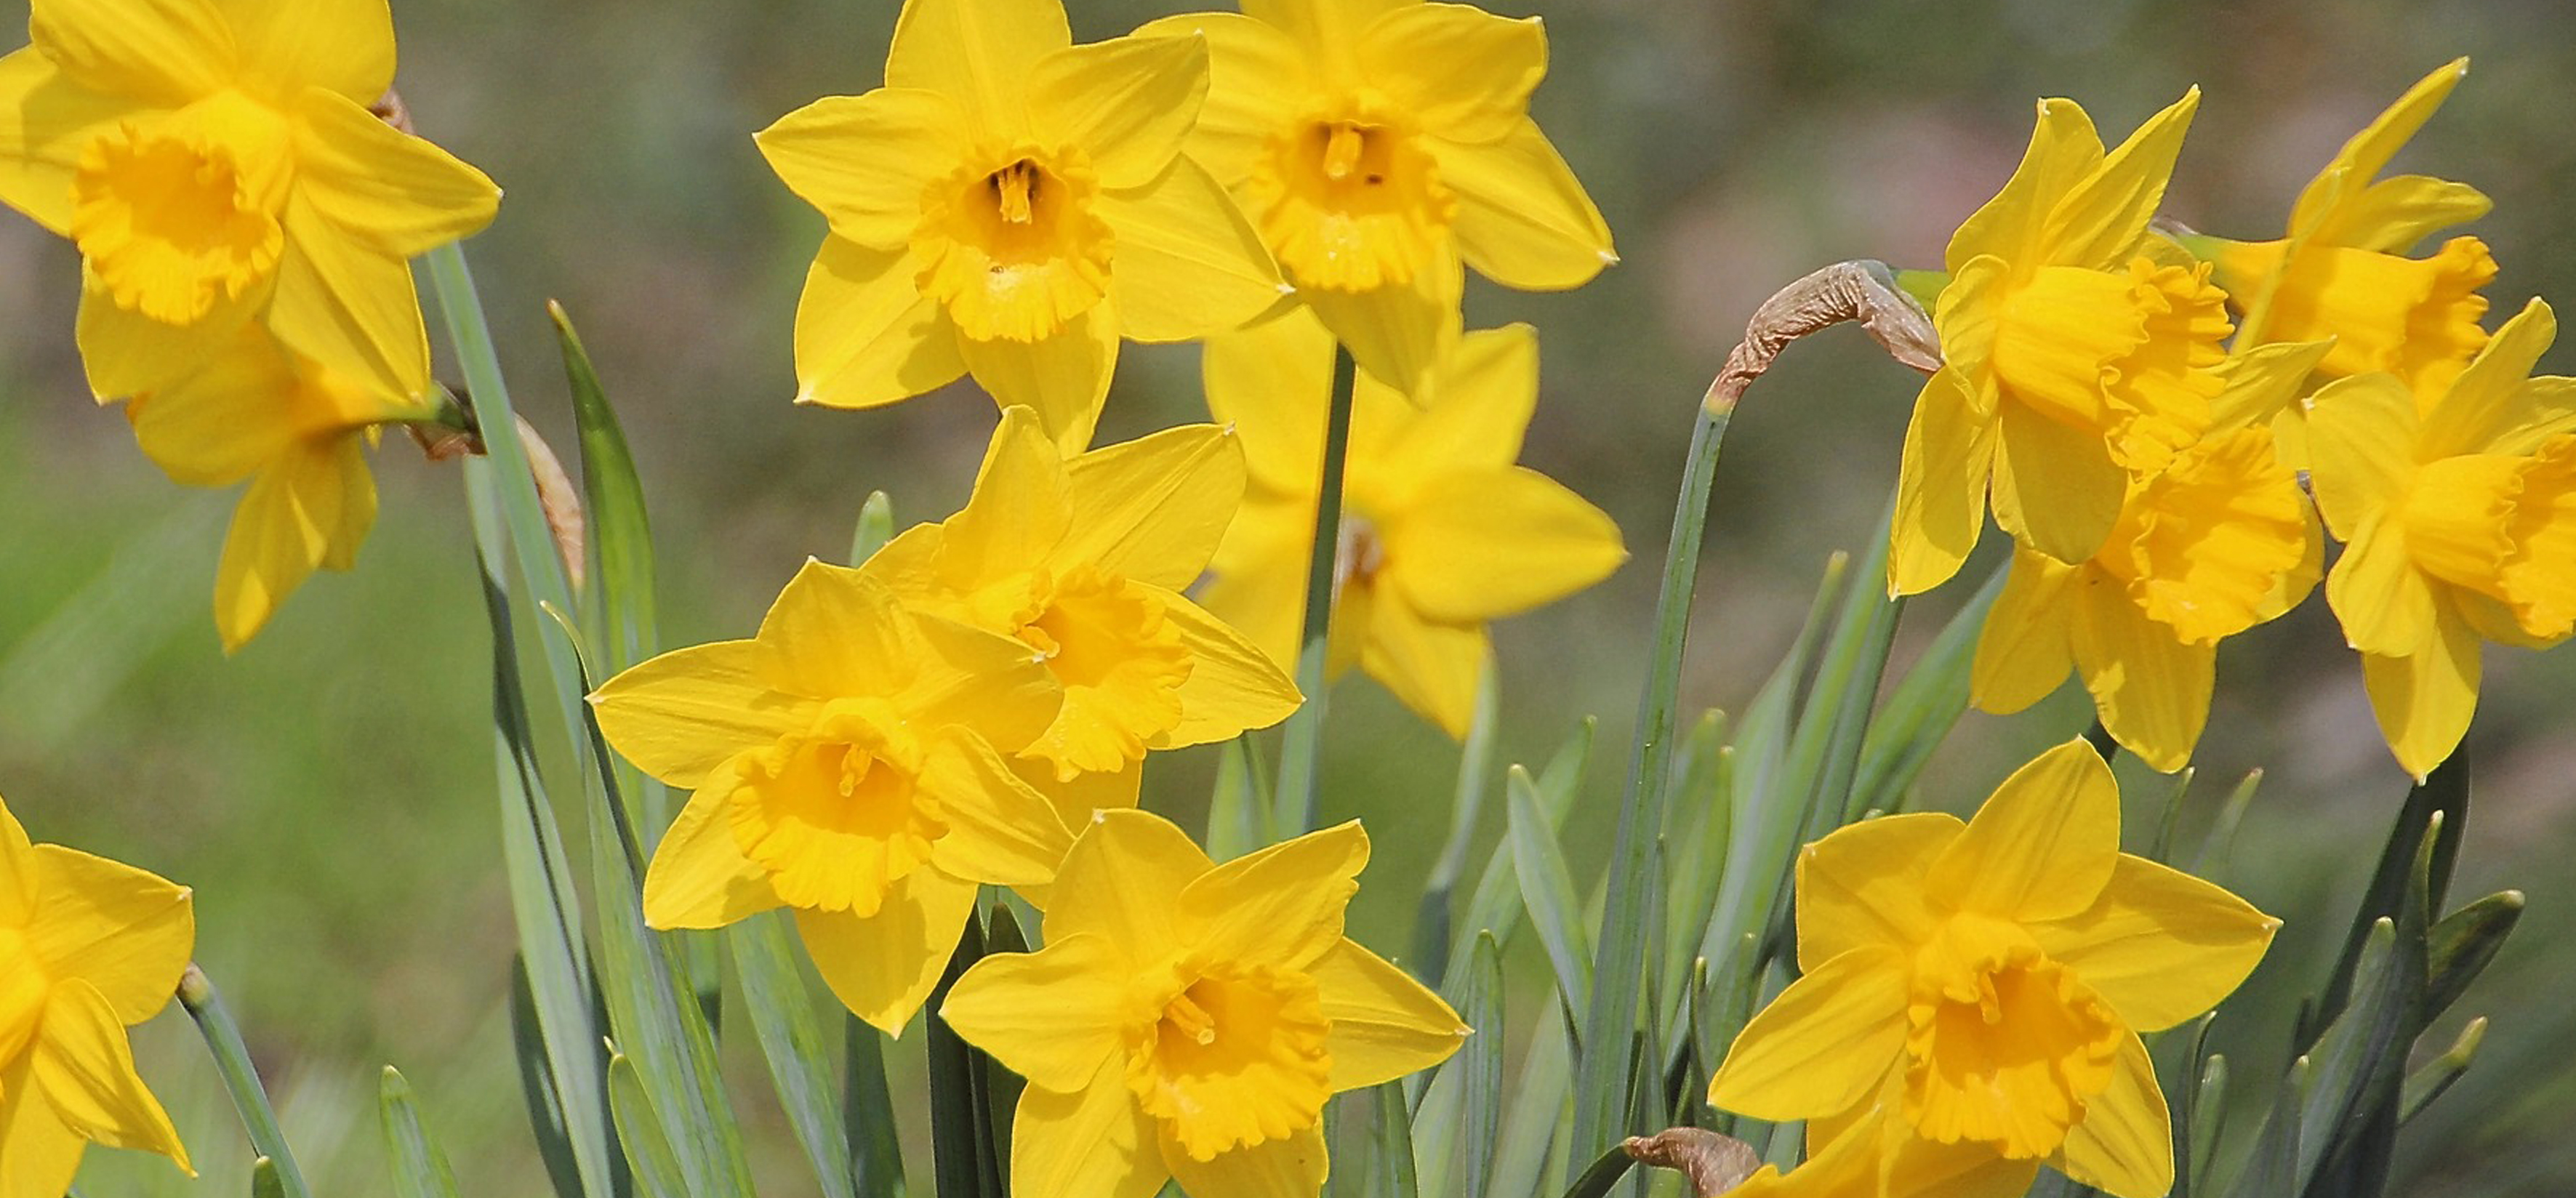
x: 1495, y: 905
x: 1395, y: 1171
x: 1698, y: 824
x: 1237, y: 816
x: 419, y: 1168
x: 1480, y: 1068
x: 959, y: 1129
x: 2428, y: 1083
x: 2204, y: 1100
x: 1540, y: 1109
x: 868, y: 1112
x: 780, y: 1007
x: 1000, y: 1088
x: 1605, y: 1172
x: 1547, y: 891
x: 264, y: 1180
x: 874, y: 529
x: 538, y: 1087
x: 639, y: 1129
x: 2272, y: 1170
x: 2461, y: 945
x: 1431, y: 926
x: 2445, y: 793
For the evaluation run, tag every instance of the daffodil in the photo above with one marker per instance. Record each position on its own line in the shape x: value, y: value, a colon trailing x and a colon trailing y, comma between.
x: 88, y: 948
x: 298, y: 430
x: 1187, y: 1020
x: 1377, y: 144
x: 1880, y: 1156
x: 2459, y: 523
x: 217, y: 165
x: 2219, y: 541
x: 1010, y: 205
x: 846, y: 763
x: 2341, y: 272
x: 1440, y: 532
x: 2078, y: 351
x: 1987, y: 982
x: 1081, y: 559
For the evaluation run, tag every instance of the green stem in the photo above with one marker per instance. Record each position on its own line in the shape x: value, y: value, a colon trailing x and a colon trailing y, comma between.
x: 1302, y: 740
x: 241, y: 1079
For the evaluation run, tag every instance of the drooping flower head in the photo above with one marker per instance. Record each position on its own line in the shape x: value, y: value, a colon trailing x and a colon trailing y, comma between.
x: 1082, y: 560
x: 1376, y: 144
x: 2078, y: 351
x: 1441, y: 533
x: 2219, y: 541
x: 2459, y: 523
x: 2341, y: 272
x: 298, y: 431
x: 846, y: 765
x: 217, y: 165
x: 88, y: 948
x: 1010, y: 205
x: 1187, y: 1020
x: 1987, y: 982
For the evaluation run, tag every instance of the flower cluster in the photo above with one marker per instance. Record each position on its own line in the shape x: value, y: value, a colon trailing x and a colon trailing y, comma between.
x: 2134, y: 409
x: 244, y: 215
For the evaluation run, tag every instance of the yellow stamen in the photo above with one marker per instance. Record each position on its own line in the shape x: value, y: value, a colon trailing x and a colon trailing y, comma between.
x: 1343, y: 144
x: 1015, y: 190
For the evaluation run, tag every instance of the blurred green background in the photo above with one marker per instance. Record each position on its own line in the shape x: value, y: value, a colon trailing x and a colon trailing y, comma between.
x: 328, y: 789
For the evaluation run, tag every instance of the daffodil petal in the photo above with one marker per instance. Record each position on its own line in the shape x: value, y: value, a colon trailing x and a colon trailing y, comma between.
x: 2367, y: 152
x: 1122, y: 881
x: 1269, y: 383
x: 882, y: 966
x: 1490, y: 543
x: 1823, y: 1044
x: 2390, y: 216
x: 2424, y: 700
x: 980, y: 52
x: 1256, y: 78
x: 1940, y: 486
x: 2026, y: 647
x: 699, y: 877
x: 347, y: 305
x: 1233, y: 685
x: 2260, y: 383
x: 17, y: 873
x: 1384, y: 1023
x: 1065, y: 377
x: 223, y: 421
x: 167, y: 52
x: 1128, y: 102
x: 1088, y: 1140
x: 86, y: 1069
x: 864, y: 161
x: 991, y: 684
x: 865, y: 335
x: 2063, y: 150
x: 1060, y: 1044
x: 1154, y: 509
x: 39, y: 1153
x: 1476, y: 413
x: 1862, y: 886
x: 1398, y: 333
x: 1020, y: 506
x: 1432, y: 665
x: 2159, y: 945
x: 2151, y: 688
x: 127, y: 353
x: 1463, y: 73
x: 1281, y: 904
x: 45, y: 119
x: 2361, y: 448
x: 309, y: 507
x: 2043, y: 847
x: 1523, y: 218
x: 2099, y: 221
x: 399, y: 194
x: 1188, y: 264
x: 2494, y: 406
x: 125, y: 932
x: 343, y: 48
x: 681, y: 714
x: 2386, y: 605
x: 1325, y: 28
x: 1292, y: 1166
x: 2055, y: 486
x: 2124, y: 1144
x: 999, y: 829
x: 836, y: 631
x: 1259, y: 578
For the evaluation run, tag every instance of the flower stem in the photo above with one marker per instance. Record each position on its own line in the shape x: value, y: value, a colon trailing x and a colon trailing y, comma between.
x: 1301, y: 744
x: 232, y: 1060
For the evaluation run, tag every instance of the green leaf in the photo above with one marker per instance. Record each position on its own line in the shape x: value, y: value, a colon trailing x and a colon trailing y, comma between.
x: 1238, y: 813
x: 1431, y: 929
x: 876, y: 1160
x: 1920, y: 712
x: 1394, y: 1145
x: 639, y: 1129
x: 959, y: 1132
x: 264, y: 1182
x: 537, y: 1084
x: 2462, y: 944
x: 1480, y: 1065
x: 1495, y: 905
x: 2221, y: 837
x: 875, y: 527
x: 2426, y: 1084
x: 419, y: 1168
x: 1605, y: 1172
x: 2273, y: 1168
x: 1540, y: 1109
x: 2440, y: 806
x: 2206, y: 1103
x: 1000, y: 1088
x: 1547, y: 890
x: 1695, y: 851
x: 781, y: 1011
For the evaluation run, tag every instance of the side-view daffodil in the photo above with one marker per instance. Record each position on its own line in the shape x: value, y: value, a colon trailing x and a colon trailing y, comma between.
x: 1186, y: 1020
x: 298, y: 430
x: 1377, y: 144
x: 1010, y: 205
x: 2459, y: 523
x: 2078, y: 350
x: 217, y: 164
x: 1881, y: 1156
x: 1441, y: 533
x: 1988, y: 981
x: 88, y: 948
x: 2341, y: 272
x: 846, y: 763
x: 1082, y: 560
x: 2219, y: 541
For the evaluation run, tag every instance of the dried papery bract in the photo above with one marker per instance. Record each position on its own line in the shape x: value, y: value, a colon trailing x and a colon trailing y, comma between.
x: 1861, y: 290
x: 1713, y: 1163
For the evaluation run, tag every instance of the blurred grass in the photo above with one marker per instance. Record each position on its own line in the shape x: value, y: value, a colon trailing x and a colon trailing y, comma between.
x: 326, y: 790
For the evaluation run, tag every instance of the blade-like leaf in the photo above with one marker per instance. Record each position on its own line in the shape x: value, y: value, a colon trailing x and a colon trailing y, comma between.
x: 874, y: 529
x: 1920, y: 712
x: 876, y: 1159
x: 419, y: 1168
x: 639, y: 1130
x: 1547, y: 891
x: 1495, y: 905
x: 2461, y: 945
x: 1431, y: 922
x: 958, y: 1122
x: 782, y: 1014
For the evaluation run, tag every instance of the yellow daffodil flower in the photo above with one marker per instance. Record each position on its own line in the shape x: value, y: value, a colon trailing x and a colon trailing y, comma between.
x: 2218, y: 542
x: 1988, y: 981
x: 1187, y: 1020
x: 2341, y: 272
x: 1376, y: 144
x: 2459, y: 525
x: 1440, y: 531
x: 1082, y: 560
x: 846, y: 767
x: 88, y: 948
x: 298, y: 431
x: 1880, y: 1156
x: 217, y: 165
x: 1010, y: 205
x: 2079, y: 351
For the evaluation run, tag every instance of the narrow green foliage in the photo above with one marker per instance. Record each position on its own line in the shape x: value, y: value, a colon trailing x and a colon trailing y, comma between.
x: 876, y: 1160
x: 265, y: 1181
x: 1238, y: 813
x: 2462, y: 943
x: 419, y: 1168
x: 241, y: 1079
x: 1539, y: 1110
x: 959, y: 1129
x: 781, y: 1011
x: 1764, y: 816
x: 874, y: 529
x: 1604, y: 1172
x: 1000, y: 1088
x: 2186, y: 1114
x: 2437, y: 809
x: 1495, y: 905
x: 1431, y: 922
x: 2221, y: 837
x: 1547, y: 891
x: 2426, y: 1084
x: 2273, y: 1169
x: 1301, y: 743
x: 639, y: 1130
x: 1480, y: 1067
x: 537, y: 1084
x: 1923, y: 707
x: 1394, y: 1175
x: 1698, y: 824
x: 621, y: 538
x: 2170, y: 822
x: 2207, y: 1101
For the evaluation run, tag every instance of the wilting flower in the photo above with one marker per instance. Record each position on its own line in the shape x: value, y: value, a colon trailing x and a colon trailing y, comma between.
x: 2219, y: 541
x: 1081, y: 560
x: 1440, y: 531
x: 845, y: 763
x: 1010, y: 205
x: 88, y: 948
x: 1987, y: 982
x: 2079, y: 351
x: 1376, y: 143
x: 1187, y: 1020
x: 217, y: 165
x: 2341, y: 272
x: 2460, y: 526
x: 298, y: 431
